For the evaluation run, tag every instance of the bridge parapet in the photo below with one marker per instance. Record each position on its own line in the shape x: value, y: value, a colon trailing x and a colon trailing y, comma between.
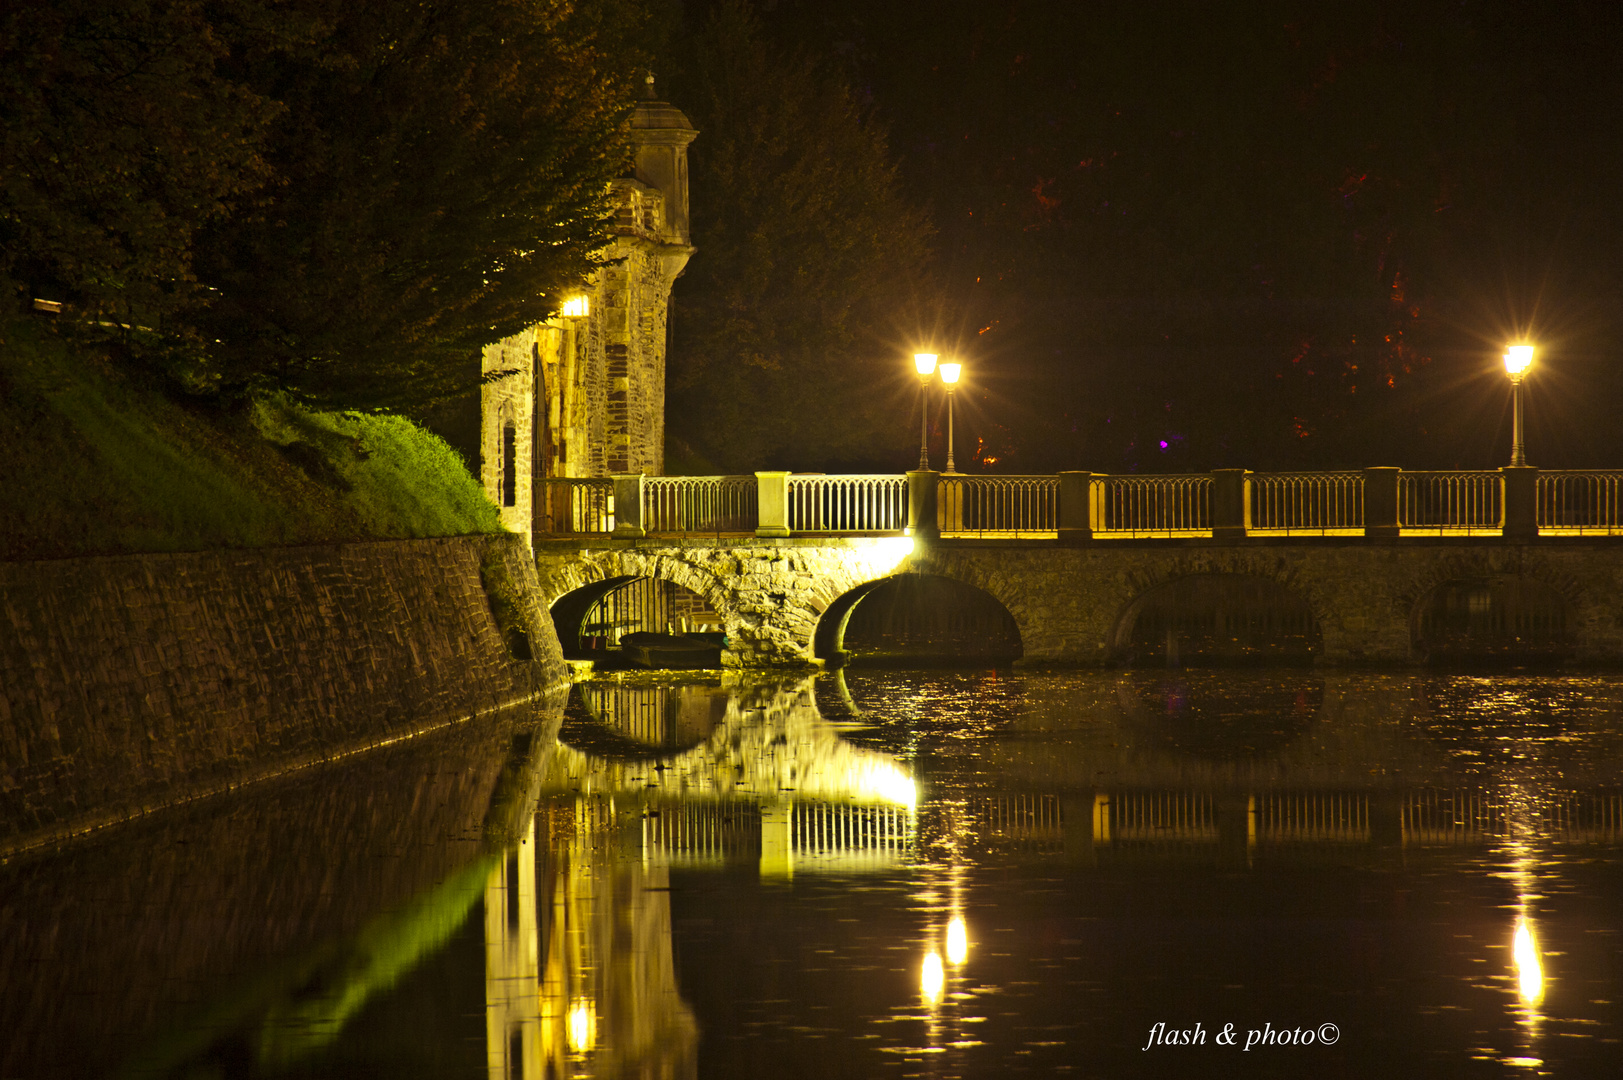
x: 1080, y: 507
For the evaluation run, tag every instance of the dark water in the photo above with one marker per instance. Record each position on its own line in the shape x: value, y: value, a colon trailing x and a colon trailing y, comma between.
x: 939, y: 874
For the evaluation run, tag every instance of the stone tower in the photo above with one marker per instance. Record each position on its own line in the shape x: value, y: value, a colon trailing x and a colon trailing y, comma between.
x: 583, y: 394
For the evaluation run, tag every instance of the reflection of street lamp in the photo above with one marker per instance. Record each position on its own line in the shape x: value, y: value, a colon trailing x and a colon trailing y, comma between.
x: 1517, y: 361
x: 949, y: 375
x: 925, y: 363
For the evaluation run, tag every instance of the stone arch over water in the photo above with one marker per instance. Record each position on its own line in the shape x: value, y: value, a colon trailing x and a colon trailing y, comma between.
x: 1493, y: 618
x: 602, y: 611
x: 924, y: 618
x: 1217, y: 620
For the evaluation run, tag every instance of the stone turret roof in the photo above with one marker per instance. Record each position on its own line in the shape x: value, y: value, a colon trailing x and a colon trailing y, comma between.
x: 653, y: 115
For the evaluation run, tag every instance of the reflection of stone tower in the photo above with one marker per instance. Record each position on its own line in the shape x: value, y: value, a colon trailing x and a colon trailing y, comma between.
x: 583, y: 394
x: 579, y: 974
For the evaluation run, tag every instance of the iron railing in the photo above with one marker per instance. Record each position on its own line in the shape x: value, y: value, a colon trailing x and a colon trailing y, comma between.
x: 1589, y: 502
x: 1450, y: 502
x: 841, y: 504
x: 1152, y: 505
x: 699, y: 504
x: 1316, y: 504
x: 573, y: 506
x: 998, y: 505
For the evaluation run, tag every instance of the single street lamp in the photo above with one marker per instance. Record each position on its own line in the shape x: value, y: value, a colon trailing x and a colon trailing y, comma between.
x: 949, y: 375
x: 1517, y: 361
x: 925, y: 363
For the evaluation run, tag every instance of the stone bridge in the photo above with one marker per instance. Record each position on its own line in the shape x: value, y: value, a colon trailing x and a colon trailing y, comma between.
x: 785, y: 601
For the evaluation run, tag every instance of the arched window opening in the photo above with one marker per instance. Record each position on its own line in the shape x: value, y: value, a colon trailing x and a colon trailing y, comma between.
x: 509, y: 464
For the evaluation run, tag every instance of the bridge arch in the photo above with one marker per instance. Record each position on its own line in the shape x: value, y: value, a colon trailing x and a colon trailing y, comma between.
x: 1490, y: 617
x: 770, y: 596
x: 955, y: 619
x: 1215, y: 619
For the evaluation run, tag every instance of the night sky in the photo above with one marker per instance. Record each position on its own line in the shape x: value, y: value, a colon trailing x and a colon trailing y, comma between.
x: 1180, y: 236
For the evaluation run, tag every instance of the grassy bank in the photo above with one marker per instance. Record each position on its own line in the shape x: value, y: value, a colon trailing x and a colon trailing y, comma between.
x: 96, y: 459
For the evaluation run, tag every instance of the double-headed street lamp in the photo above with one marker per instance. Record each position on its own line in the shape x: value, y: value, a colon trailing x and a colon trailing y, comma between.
x: 925, y: 364
x: 1517, y: 360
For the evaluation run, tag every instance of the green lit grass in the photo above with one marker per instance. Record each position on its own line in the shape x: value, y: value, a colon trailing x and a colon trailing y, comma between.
x: 94, y: 461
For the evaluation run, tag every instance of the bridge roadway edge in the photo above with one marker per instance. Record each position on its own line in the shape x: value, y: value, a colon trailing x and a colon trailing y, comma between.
x: 1067, y: 600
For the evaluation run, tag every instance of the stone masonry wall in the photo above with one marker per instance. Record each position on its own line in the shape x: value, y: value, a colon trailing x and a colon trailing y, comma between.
x: 1068, y: 602
x: 136, y: 681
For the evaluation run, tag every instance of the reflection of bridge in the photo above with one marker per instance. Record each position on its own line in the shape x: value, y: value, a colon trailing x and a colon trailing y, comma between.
x: 1126, y: 820
x: 1081, y: 561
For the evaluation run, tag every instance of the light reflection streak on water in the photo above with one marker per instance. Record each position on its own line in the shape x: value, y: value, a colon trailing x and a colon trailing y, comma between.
x: 1520, y: 851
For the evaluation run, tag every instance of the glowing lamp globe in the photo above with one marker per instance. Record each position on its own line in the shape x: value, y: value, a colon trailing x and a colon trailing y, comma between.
x: 1518, y: 359
x: 925, y: 362
x: 949, y: 373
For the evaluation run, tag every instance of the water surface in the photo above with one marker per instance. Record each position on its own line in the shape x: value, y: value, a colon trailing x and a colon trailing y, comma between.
x: 887, y: 873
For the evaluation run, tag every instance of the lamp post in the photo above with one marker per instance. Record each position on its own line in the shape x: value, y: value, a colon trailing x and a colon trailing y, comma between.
x: 949, y: 375
x: 925, y: 363
x: 1517, y: 360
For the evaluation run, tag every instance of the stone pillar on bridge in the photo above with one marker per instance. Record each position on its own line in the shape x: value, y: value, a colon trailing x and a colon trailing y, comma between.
x: 1231, y: 503
x: 1381, y: 502
x: 1075, y: 507
x: 1521, y: 502
x: 628, y: 504
x: 772, y: 504
x: 923, y: 520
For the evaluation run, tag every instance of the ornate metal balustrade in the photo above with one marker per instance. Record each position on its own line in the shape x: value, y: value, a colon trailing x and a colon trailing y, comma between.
x: 1001, y: 506
x: 1580, y: 503
x: 1307, y: 504
x: 1079, y: 507
x: 1152, y: 506
x: 699, y: 504
x: 1450, y: 502
x: 847, y: 504
x: 574, y: 507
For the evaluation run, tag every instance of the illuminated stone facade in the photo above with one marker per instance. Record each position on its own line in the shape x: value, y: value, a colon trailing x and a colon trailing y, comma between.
x: 583, y: 394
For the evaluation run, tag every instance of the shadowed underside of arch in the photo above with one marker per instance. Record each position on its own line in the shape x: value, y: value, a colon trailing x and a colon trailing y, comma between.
x: 917, y: 618
x: 1217, y: 620
x: 1501, y: 618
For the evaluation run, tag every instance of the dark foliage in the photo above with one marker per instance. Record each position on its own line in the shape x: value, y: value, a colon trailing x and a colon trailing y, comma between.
x: 441, y: 179
x: 118, y: 141
x: 807, y: 249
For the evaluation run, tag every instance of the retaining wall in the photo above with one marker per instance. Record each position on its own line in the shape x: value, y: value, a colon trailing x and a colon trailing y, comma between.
x: 132, y: 682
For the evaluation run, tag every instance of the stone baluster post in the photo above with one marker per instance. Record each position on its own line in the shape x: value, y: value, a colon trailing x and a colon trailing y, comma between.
x: 628, y: 504
x: 1381, y: 502
x: 771, y: 504
x: 1076, y: 509
x: 923, y: 521
x: 1521, y: 502
x: 1231, y: 503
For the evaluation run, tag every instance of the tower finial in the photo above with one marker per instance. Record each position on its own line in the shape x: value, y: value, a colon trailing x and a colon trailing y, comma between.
x: 648, y: 87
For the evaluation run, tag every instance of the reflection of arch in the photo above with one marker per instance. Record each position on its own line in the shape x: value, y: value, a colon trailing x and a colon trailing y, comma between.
x: 1220, y: 716
x: 632, y: 720
x: 926, y: 617
x: 1493, y: 618
x: 1216, y: 620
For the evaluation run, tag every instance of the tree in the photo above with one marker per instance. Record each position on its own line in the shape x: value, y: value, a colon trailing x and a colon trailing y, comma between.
x: 807, y: 249
x: 120, y: 139
x: 442, y: 171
